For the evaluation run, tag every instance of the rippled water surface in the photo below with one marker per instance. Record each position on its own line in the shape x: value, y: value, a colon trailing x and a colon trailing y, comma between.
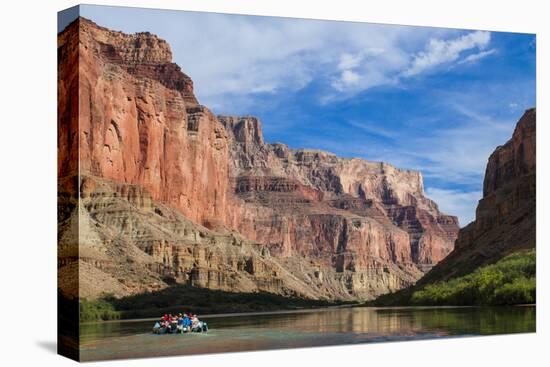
x: 133, y: 339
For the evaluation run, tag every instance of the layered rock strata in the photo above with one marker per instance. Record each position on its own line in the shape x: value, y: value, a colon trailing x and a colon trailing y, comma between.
x: 372, y: 209
x: 169, y: 192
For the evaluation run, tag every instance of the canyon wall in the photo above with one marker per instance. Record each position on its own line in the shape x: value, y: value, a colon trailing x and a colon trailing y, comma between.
x: 139, y: 122
x: 290, y: 194
x: 506, y: 215
x: 170, y: 193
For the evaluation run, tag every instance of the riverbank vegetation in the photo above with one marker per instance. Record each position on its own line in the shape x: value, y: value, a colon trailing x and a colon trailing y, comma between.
x: 510, y: 281
x: 98, y: 310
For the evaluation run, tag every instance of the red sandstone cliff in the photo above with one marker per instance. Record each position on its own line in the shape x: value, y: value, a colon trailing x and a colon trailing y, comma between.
x: 138, y: 120
x: 168, y: 190
x: 306, y: 189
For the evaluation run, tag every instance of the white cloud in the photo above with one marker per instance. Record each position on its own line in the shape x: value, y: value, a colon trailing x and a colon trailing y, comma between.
x: 233, y: 58
x: 376, y: 67
x: 350, y: 77
x: 367, y: 68
x: 461, y: 204
x: 476, y: 57
x: 278, y: 55
x: 440, y: 51
x: 349, y: 61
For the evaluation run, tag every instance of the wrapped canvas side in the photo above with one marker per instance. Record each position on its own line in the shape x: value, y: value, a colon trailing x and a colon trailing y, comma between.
x: 68, y: 190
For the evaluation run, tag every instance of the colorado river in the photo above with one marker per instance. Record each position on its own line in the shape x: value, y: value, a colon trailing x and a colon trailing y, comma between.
x: 232, y: 333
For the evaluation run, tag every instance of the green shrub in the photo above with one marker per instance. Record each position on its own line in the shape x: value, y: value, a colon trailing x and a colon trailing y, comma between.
x: 97, y: 310
x: 521, y: 290
x: 509, y: 281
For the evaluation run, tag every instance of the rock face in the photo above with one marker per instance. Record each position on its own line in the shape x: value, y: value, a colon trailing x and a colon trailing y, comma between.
x: 155, y: 189
x: 370, y: 209
x: 139, y: 122
x: 131, y: 244
x: 506, y: 215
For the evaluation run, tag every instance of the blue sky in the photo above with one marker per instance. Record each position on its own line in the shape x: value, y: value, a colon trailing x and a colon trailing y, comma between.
x: 432, y: 99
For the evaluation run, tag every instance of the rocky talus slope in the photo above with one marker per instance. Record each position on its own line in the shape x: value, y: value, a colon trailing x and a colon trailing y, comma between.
x: 154, y: 189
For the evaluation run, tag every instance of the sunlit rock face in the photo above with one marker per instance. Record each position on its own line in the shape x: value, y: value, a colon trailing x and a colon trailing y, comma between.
x: 139, y: 122
x: 170, y: 192
x: 348, y: 214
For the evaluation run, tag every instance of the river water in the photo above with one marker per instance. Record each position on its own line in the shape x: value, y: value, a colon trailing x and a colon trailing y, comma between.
x: 233, y: 333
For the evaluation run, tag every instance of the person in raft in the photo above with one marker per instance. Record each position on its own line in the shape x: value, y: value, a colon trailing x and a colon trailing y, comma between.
x: 186, y: 323
x: 161, y: 326
x: 180, y: 323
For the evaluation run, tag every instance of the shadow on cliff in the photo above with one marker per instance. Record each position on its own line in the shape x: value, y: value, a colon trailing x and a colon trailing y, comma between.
x: 179, y: 298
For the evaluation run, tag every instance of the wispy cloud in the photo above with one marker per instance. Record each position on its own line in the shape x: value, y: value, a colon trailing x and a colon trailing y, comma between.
x: 476, y: 57
x: 278, y: 56
x: 373, y: 129
x: 456, y: 202
x: 450, y: 150
x: 232, y: 59
x: 367, y: 68
x: 440, y: 52
x: 364, y: 70
x: 457, y: 151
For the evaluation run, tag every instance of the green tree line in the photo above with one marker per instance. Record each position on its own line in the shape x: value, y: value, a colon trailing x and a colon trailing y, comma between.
x: 100, y: 309
x: 510, y: 281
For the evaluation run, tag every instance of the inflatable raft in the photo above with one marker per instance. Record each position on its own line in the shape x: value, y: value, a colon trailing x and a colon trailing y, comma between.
x: 202, y: 327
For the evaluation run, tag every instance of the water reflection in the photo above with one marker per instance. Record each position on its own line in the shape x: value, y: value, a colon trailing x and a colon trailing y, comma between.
x: 395, y: 320
x: 302, y: 329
